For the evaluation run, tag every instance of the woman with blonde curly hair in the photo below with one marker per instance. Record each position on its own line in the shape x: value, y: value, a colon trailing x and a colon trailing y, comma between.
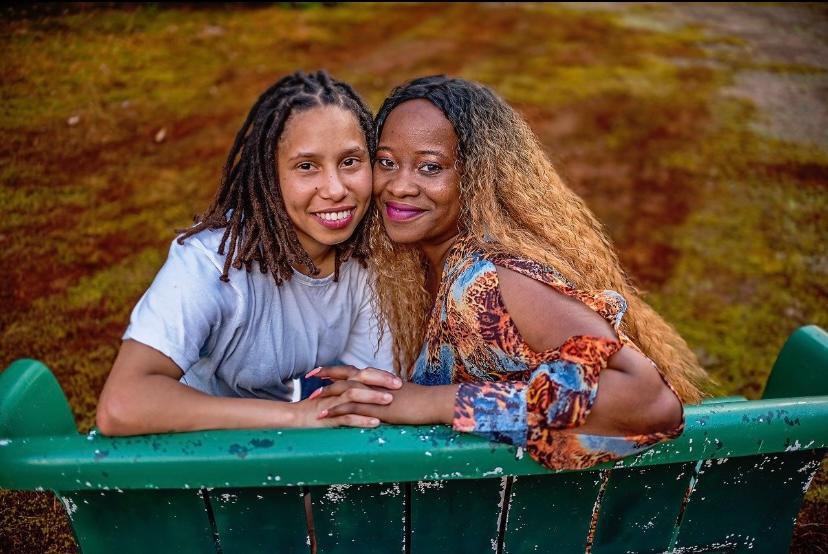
x: 510, y: 313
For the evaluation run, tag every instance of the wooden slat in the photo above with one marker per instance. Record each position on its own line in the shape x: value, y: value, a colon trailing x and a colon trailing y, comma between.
x: 139, y: 521
x: 747, y: 504
x: 442, y: 510
x: 359, y: 518
x: 640, y: 507
x: 264, y: 519
x: 551, y: 513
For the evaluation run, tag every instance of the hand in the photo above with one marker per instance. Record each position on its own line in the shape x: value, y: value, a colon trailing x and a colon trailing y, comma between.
x: 412, y: 404
x: 369, y: 376
x: 308, y: 411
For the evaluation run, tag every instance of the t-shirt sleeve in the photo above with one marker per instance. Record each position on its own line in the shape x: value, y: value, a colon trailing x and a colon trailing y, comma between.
x: 367, y: 346
x: 183, y: 306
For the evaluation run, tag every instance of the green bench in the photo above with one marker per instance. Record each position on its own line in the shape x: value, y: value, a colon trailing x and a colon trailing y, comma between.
x: 733, y: 482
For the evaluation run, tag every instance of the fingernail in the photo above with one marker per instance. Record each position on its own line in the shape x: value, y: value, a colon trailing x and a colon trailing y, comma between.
x: 387, y: 397
x: 374, y: 422
x: 322, y: 414
x: 397, y: 382
x: 315, y: 393
x: 313, y: 372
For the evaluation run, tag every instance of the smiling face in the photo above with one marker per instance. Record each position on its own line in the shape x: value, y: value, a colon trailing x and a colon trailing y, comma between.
x: 325, y: 177
x: 416, y: 178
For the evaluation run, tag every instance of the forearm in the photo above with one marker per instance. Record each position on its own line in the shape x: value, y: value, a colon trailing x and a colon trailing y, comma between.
x: 160, y: 404
x: 411, y: 404
x: 419, y: 405
x: 617, y: 403
x: 443, y: 398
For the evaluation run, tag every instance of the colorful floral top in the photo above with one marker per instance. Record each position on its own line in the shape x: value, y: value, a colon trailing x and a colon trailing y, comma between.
x: 508, y: 392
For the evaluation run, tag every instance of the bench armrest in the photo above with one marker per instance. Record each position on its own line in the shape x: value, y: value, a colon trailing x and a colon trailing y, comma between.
x: 389, y: 453
x: 32, y: 402
x: 801, y: 369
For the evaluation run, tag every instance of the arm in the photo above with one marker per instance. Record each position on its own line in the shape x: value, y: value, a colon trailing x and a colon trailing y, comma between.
x: 411, y: 404
x: 170, y: 330
x: 143, y: 395
x: 587, y: 400
x: 632, y: 397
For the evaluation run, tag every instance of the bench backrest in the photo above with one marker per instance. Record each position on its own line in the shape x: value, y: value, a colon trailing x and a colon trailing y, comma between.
x: 732, y: 482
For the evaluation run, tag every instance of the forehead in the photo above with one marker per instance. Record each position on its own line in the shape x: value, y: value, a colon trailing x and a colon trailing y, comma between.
x: 421, y: 122
x: 320, y: 125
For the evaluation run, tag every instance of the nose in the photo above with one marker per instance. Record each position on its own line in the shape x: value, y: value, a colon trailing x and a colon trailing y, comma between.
x: 396, y: 184
x: 332, y: 187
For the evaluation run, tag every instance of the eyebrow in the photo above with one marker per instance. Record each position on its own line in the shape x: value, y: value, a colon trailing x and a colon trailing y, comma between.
x: 354, y: 150
x: 420, y: 152
x: 431, y: 152
x: 349, y: 151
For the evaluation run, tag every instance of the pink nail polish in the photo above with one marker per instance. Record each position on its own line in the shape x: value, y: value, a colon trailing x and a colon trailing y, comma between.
x: 322, y: 414
x: 315, y: 393
x: 313, y: 372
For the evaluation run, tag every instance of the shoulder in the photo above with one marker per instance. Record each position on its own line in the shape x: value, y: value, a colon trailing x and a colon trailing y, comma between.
x: 534, y: 297
x: 469, y: 276
x: 472, y: 268
x: 193, y: 269
x: 199, y: 250
x: 547, y: 316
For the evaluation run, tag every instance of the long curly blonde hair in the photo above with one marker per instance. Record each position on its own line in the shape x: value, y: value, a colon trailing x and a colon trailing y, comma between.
x: 511, y: 194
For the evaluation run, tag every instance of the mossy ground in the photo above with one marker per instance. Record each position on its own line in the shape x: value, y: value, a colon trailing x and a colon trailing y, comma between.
x: 722, y: 223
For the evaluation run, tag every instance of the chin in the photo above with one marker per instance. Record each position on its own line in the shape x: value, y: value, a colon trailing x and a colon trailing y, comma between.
x: 336, y: 238
x: 402, y: 237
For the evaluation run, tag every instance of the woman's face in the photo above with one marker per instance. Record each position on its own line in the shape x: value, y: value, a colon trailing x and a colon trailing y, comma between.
x: 325, y: 176
x: 416, y: 179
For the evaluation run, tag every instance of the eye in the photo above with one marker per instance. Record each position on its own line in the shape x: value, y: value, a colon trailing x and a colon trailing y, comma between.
x: 385, y: 163
x: 430, y: 168
x: 304, y: 166
x: 350, y: 162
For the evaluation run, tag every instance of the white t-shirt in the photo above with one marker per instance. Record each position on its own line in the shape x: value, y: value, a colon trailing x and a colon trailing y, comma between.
x: 248, y: 337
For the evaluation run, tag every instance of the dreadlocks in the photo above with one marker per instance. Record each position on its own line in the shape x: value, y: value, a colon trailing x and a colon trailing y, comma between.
x: 248, y: 204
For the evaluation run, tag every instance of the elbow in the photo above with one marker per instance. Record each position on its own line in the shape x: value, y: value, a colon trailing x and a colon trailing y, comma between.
x: 663, y: 414
x: 113, y: 416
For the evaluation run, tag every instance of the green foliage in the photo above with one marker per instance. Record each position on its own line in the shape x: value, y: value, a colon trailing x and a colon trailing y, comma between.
x: 723, y: 226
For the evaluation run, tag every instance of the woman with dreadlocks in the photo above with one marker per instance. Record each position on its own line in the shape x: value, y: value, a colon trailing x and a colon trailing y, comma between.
x: 269, y: 283
x: 509, y: 310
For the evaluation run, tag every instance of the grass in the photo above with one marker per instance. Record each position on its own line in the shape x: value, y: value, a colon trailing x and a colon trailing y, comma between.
x: 722, y: 225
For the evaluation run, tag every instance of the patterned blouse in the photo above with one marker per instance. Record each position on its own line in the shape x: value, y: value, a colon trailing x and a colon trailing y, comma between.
x: 508, y: 392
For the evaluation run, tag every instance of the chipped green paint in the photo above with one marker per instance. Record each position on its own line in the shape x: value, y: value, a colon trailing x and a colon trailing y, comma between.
x: 60, y: 460
x: 734, y: 480
x: 329, y: 456
x: 627, y: 88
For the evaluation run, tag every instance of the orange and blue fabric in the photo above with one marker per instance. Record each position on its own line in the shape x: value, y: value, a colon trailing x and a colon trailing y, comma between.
x: 510, y: 393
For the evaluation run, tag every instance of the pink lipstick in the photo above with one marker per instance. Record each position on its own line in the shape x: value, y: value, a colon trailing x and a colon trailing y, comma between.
x: 401, y: 212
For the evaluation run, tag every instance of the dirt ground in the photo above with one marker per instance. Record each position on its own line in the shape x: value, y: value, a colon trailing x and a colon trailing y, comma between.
x: 698, y: 133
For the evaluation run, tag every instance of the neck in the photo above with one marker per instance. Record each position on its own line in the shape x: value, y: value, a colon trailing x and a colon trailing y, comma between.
x: 322, y: 256
x: 435, y: 253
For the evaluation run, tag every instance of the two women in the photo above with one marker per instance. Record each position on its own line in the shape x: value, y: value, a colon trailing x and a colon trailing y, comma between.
x: 508, y: 309
x: 515, y: 320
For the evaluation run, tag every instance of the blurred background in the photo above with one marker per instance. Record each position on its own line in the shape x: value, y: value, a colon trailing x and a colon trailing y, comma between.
x: 697, y: 133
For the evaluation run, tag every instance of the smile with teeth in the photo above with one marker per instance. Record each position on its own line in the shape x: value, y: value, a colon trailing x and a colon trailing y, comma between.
x: 335, y: 220
x: 336, y: 216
